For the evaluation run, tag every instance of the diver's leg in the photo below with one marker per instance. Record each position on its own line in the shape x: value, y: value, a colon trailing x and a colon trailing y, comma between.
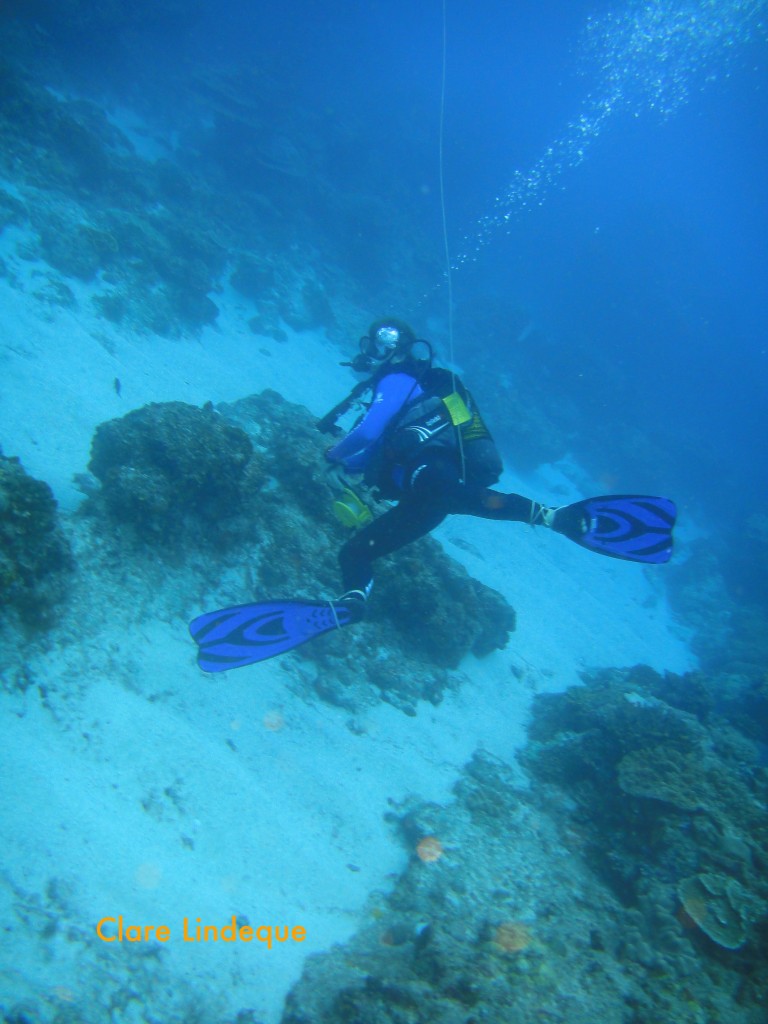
x: 488, y: 504
x: 473, y: 500
x: 413, y: 517
x: 439, y: 475
x: 433, y: 489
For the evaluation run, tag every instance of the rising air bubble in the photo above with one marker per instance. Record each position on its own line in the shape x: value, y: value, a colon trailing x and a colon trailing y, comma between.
x: 646, y: 58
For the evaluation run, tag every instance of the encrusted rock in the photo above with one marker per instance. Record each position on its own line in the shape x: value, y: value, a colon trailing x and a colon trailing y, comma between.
x: 663, y: 773
x: 170, y: 465
x: 481, y: 933
x: 720, y: 906
x: 34, y: 554
x: 658, y: 794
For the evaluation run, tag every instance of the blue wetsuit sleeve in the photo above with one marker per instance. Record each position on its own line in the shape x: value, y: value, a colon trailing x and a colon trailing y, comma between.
x: 392, y: 393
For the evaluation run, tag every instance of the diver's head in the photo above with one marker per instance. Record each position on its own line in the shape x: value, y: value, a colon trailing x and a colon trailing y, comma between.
x: 387, y: 338
x: 390, y: 341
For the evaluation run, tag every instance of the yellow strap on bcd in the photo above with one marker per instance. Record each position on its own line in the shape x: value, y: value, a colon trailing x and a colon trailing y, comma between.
x: 457, y: 410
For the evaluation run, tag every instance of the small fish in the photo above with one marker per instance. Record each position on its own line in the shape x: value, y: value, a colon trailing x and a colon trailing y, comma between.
x: 117, y: 386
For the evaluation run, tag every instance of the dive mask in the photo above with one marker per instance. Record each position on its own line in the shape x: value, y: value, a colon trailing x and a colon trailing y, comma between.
x: 380, y: 344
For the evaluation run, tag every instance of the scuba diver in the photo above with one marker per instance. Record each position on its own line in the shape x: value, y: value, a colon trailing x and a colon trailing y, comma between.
x: 423, y: 444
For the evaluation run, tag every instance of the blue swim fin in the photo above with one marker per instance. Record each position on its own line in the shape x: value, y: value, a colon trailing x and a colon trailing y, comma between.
x: 635, y: 527
x: 247, y: 633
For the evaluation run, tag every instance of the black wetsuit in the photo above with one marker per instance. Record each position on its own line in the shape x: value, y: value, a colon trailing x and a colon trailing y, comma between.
x: 411, y: 454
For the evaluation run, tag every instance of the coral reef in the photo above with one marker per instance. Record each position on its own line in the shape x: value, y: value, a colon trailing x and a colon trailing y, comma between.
x: 159, y: 237
x: 169, y: 468
x: 99, y: 211
x: 282, y: 295
x: 510, y: 923
x: 435, y: 603
x: 720, y: 907
x: 669, y: 799
x: 35, y: 556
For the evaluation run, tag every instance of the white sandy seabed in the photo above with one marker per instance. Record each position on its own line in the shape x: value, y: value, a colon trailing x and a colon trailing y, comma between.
x: 154, y: 792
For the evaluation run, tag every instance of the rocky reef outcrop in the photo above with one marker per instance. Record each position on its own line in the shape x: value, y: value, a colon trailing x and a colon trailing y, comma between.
x: 245, y: 484
x: 171, y: 468
x: 500, y: 915
x: 669, y: 798
x: 626, y: 884
x: 35, y: 556
x: 158, y: 235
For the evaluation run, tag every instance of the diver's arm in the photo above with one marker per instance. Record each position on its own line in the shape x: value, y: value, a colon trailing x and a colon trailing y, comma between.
x: 392, y: 392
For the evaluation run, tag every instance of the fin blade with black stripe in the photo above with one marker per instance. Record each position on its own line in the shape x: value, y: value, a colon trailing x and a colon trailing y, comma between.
x: 633, y: 527
x: 249, y: 633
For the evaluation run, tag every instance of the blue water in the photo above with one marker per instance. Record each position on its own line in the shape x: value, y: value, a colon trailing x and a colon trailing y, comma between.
x: 645, y: 262
x: 604, y: 203
x: 606, y: 220
x: 604, y: 174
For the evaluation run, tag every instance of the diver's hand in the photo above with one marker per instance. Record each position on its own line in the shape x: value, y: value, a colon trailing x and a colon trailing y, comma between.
x: 336, y: 476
